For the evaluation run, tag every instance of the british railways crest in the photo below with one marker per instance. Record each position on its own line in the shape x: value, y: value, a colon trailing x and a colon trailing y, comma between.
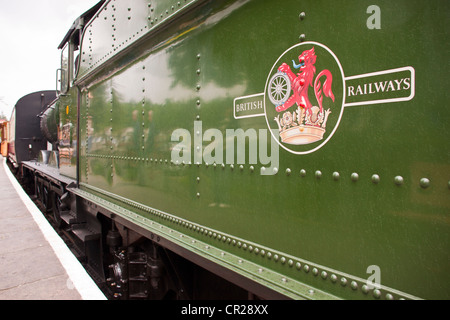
x: 304, y: 97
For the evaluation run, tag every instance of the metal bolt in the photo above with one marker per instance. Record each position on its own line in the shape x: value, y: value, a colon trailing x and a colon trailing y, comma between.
x: 377, y: 293
x: 318, y: 174
x: 375, y: 178
x: 365, y: 288
x: 398, y: 180
x: 336, y: 176
x: 424, y: 183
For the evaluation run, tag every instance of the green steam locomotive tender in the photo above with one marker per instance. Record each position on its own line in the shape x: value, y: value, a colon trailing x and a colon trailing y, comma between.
x: 256, y: 148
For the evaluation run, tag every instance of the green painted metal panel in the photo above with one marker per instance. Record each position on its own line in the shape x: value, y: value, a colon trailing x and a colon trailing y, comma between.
x: 372, y: 191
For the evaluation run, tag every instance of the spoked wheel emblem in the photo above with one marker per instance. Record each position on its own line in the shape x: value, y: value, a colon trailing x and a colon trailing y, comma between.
x: 279, y: 88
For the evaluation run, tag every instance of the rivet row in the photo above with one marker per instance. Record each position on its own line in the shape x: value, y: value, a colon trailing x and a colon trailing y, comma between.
x: 375, y: 178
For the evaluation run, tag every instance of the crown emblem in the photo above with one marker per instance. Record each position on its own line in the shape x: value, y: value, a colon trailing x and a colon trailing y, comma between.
x: 302, y: 127
x: 307, y: 124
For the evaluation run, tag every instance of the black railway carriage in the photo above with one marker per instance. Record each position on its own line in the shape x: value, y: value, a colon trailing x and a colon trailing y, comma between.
x: 26, y: 139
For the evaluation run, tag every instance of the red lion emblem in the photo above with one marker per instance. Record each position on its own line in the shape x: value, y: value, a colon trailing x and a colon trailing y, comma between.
x: 301, y: 82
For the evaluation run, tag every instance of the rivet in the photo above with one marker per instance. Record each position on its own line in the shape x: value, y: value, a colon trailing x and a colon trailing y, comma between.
x: 198, y: 87
x: 389, y: 296
x: 324, y: 275
x: 424, y: 183
x: 377, y: 293
x: 198, y: 71
x: 252, y: 168
x: 298, y: 265
x: 306, y: 268
x: 336, y: 176
x: 199, y: 56
x: 315, y: 271
x: 365, y: 288
x: 318, y: 174
x: 302, y: 15
x: 198, y: 179
x: 354, y: 177
x: 241, y: 167
x: 398, y: 180
x: 275, y: 170
x: 303, y: 172
x: 198, y: 195
x: 288, y: 172
x: 333, y: 278
x: 375, y: 178
x: 354, y: 285
x: 302, y: 37
x: 344, y: 282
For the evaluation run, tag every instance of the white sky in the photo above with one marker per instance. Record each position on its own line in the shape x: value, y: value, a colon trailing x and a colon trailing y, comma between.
x: 30, y: 33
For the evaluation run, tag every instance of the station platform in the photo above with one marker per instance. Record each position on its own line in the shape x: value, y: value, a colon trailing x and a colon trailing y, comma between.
x: 35, y: 263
